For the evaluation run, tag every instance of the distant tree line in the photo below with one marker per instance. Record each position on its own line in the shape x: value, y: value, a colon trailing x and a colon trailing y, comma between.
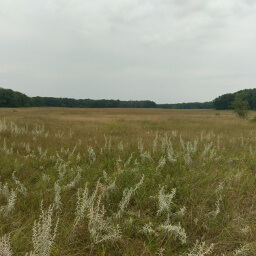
x: 12, y: 99
x: 192, y: 105
x: 88, y: 103
x: 226, y: 101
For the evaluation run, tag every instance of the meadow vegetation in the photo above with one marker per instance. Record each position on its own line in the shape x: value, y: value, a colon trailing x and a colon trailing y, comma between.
x: 126, y: 182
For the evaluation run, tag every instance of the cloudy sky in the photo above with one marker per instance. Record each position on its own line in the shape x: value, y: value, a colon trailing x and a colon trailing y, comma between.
x: 168, y: 51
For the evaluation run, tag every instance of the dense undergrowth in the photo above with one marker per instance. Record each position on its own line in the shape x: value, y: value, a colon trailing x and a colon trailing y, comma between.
x: 151, y: 195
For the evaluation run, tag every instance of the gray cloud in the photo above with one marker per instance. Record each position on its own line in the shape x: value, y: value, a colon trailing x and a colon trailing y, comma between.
x: 163, y: 50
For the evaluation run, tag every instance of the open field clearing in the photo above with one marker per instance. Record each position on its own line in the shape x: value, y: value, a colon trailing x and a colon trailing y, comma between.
x: 126, y: 182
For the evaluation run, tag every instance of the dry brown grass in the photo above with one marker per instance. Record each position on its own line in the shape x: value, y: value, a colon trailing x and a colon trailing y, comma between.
x: 124, y: 124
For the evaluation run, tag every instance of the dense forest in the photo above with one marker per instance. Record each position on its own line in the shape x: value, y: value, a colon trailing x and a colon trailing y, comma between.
x: 11, y: 99
x: 225, y: 101
x: 88, y: 103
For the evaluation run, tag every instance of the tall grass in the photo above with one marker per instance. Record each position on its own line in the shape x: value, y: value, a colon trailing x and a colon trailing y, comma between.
x: 157, y: 182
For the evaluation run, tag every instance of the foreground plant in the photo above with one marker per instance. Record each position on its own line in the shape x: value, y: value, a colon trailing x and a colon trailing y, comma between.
x: 43, y: 234
x: 5, y: 246
x: 101, y: 228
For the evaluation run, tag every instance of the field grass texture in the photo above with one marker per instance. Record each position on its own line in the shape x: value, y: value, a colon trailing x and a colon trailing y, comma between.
x: 126, y: 182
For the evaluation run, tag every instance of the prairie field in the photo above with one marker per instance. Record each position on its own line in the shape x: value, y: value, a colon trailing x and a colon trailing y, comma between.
x: 112, y: 182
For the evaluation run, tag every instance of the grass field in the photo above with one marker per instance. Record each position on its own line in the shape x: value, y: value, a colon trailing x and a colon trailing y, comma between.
x: 126, y: 182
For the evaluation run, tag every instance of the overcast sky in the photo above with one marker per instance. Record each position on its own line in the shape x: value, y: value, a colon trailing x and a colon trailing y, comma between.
x: 167, y: 51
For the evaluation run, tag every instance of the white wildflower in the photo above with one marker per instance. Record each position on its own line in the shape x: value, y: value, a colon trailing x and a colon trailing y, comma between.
x: 72, y: 152
x: 78, y: 157
x: 43, y: 235
x: 62, y: 169
x: 21, y: 188
x: 161, y: 163
x: 129, y: 160
x: 3, y: 125
x: 245, y: 230
x: 127, y: 193
x: 165, y: 143
x: 5, y: 246
x: 108, y: 143
x: 57, y: 198
x: 206, y: 149
x: 170, y: 155
x: 5, y: 190
x: 140, y: 146
x: 83, y: 203
x: 155, y: 143
x: 220, y: 188
x: 46, y: 177
x: 59, y: 134
x: 148, y: 229
x: 108, y: 188
x: 182, y: 144
x: 174, y: 133
x: 121, y: 146
x: 200, y: 249
x: 145, y: 156
x: 243, y: 251
x: 216, y: 212
x: 188, y: 160
x: 165, y: 200
x: 11, y: 199
x: 73, y: 183
x: 100, y: 229
x: 181, y: 212
x: 176, y: 230
x: 92, y: 155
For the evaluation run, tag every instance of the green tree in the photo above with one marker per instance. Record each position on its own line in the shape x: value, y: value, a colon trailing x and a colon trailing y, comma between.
x: 241, y: 106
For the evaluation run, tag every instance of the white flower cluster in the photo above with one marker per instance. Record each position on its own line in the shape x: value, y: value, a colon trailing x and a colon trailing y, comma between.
x: 43, y: 235
x: 5, y: 246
